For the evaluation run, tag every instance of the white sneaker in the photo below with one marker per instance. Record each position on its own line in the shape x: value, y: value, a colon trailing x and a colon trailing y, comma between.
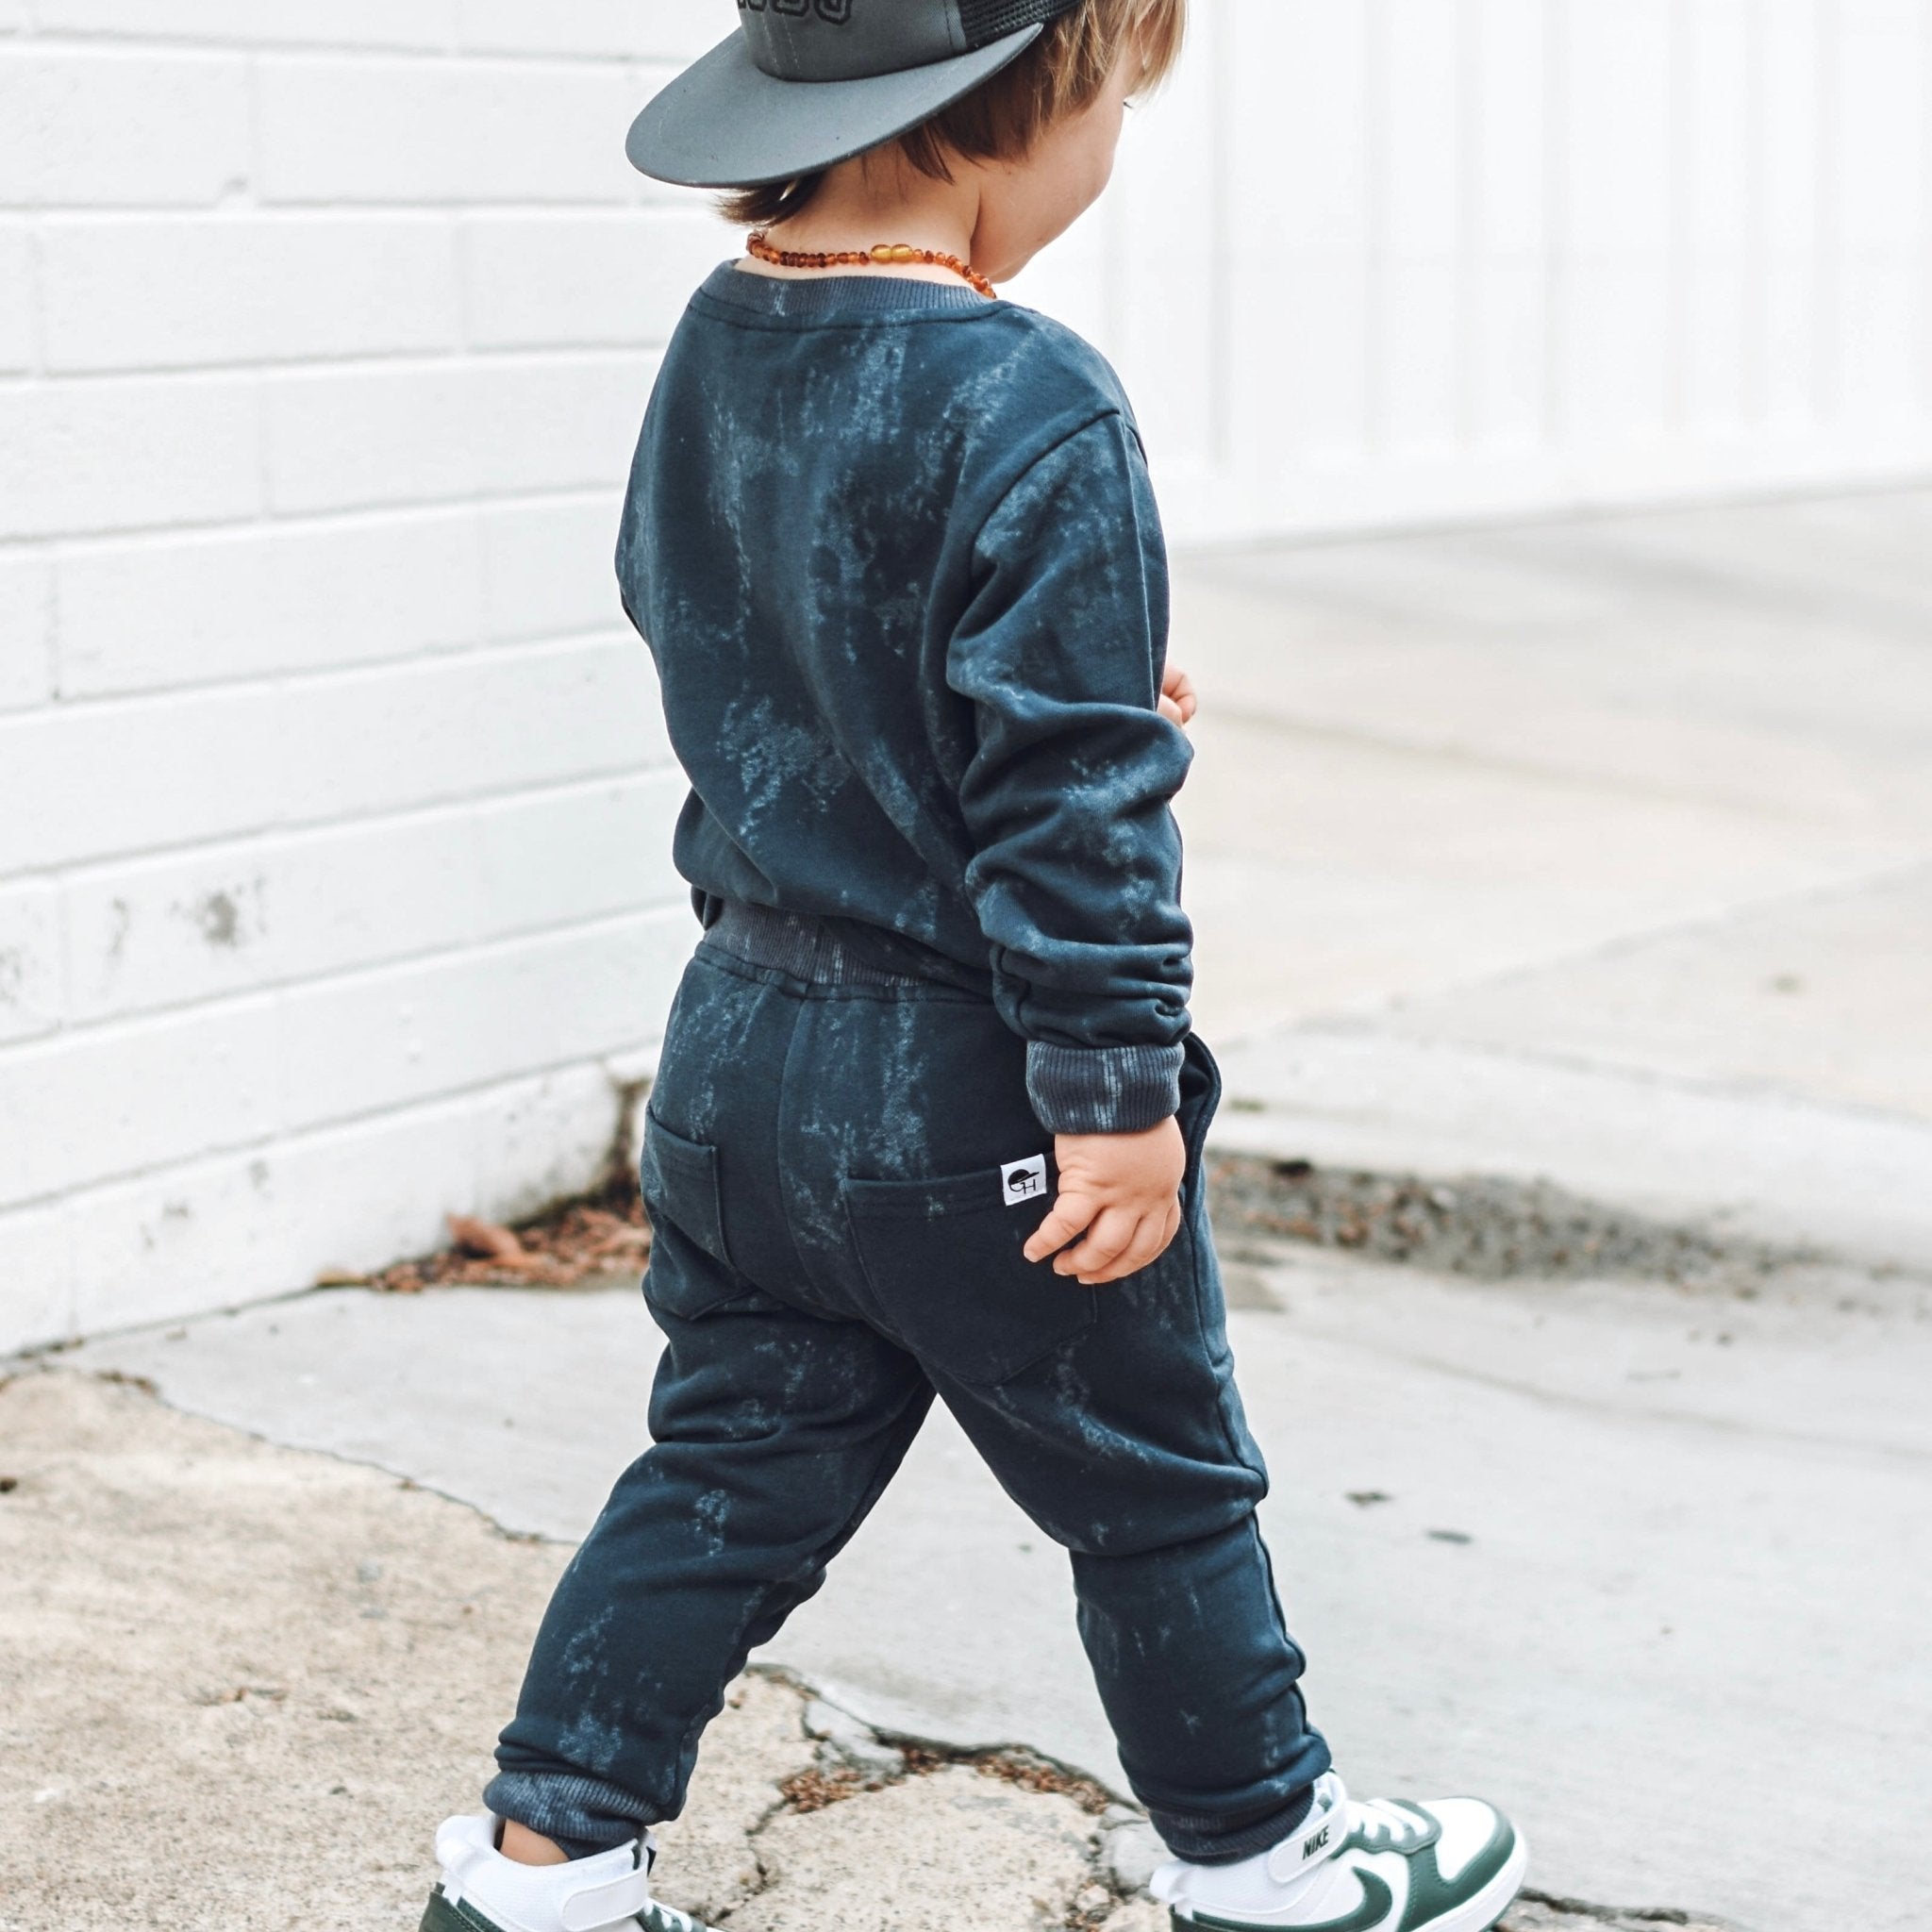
x: 482, y: 1891
x: 1452, y: 1865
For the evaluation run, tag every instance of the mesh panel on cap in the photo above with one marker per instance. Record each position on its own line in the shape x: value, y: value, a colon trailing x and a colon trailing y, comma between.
x: 986, y: 21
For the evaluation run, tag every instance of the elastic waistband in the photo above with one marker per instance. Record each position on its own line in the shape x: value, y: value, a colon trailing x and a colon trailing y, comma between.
x: 797, y: 943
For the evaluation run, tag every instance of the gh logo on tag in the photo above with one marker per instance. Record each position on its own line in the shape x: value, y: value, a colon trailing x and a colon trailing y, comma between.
x: 1024, y: 1180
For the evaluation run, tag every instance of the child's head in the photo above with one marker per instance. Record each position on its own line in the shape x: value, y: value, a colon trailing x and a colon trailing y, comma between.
x: 1036, y: 141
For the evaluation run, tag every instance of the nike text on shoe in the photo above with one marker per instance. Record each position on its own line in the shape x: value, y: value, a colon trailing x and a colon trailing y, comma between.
x: 482, y: 1891
x: 1449, y: 1865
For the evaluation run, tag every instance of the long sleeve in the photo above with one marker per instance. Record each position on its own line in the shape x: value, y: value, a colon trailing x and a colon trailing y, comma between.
x: 1075, y: 877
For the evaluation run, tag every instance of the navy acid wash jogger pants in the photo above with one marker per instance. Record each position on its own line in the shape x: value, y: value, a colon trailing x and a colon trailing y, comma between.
x: 823, y: 1160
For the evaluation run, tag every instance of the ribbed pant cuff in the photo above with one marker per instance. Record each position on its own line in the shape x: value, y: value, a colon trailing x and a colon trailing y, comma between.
x: 1103, y: 1090
x: 1203, y: 1841
x: 583, y: 1814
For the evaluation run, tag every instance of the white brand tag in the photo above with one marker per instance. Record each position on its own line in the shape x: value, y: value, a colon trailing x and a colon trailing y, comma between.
x: 1024, y: 1180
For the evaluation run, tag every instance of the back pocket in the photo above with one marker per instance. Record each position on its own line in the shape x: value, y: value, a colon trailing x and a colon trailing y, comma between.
x: 943, y: 1260
x: 679, y: 1182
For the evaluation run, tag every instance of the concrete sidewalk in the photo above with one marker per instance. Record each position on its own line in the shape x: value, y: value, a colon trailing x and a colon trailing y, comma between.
x: 242, y: 1684
x: 1600, y: 851
x: 1644, y: 1564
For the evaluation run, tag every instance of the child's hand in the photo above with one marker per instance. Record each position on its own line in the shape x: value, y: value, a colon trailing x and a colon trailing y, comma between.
x: 1123, y: 1191
x: 1177, y: 699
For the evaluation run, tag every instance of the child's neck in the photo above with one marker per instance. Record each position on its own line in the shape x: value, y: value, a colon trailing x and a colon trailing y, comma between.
x: 857, y: 206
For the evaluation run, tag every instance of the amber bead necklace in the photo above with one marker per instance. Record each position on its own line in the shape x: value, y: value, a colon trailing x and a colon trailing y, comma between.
x: 885, y: 254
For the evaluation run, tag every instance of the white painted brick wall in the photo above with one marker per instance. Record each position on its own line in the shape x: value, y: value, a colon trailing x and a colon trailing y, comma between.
x: 130, y: 453
x: 111, y: 128
x: 161, y: 292
x: 1377, y: 261
x: 335, y: 800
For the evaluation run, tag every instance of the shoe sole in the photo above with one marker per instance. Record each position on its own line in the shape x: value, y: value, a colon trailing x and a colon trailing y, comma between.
x: 440, y: 1916
x: 1477, y: 1914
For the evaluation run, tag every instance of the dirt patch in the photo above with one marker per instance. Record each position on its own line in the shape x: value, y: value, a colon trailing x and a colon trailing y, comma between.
x: 566, y: 1246
x: 584, y: 1237
x: 821, y: 1784
x: 1486, y: 1227
x: 1033, y: 1774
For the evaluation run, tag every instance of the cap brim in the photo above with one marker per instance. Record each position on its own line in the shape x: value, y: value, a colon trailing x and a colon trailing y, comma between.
x: 724, y: 123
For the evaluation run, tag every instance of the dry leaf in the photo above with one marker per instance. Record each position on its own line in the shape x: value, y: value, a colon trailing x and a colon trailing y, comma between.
x: 486, y: 1241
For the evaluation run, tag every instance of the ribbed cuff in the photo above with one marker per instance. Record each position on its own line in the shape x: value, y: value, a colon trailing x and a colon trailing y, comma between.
x: 1103, y: 1090
x: 575, y: 1811
x: 1204, y: 1840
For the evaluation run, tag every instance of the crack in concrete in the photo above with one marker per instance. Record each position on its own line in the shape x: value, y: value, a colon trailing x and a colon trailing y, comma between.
x: 1084, y: 1892
x: 1619, y: 1918
x: 1100, y: 1895
x: 1607, y: 1915
x: 1013, y: 1762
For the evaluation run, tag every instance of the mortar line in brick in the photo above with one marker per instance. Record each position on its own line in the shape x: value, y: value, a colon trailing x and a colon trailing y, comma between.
x: 270, y: 840
x: 387, y: 361
x: 365, y: 214
x: 264, y: 458
x: 301, y: 1140
x: 251, y: 94
x: 297, y: 523
x: 133, y: 854
x: 299, y: 1134
x: 476, y: 946
x: 297, y: 52
x: 359, y: 215
x: 294, y: 520
x: 330, y: 366
x: 375, y: 506
x: 647, y: 199
x: 463, y: 243
x: 614, y: 631
x: 348, y: 205
x: 37, y: 295
x: 376, y: 361
x: 264, y: 451
x: 274, y: 997
x: 63, y: 942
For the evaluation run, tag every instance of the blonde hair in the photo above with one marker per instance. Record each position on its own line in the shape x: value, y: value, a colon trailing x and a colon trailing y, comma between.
x: 1060, y: 74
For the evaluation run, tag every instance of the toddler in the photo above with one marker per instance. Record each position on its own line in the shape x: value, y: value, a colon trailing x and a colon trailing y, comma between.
x: 929, y: 1114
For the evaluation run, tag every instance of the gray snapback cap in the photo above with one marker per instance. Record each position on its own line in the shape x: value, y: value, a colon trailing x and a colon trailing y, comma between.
x: 804, y: 83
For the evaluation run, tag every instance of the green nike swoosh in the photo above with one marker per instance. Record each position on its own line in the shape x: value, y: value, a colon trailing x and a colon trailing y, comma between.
x: 1377, y: 1899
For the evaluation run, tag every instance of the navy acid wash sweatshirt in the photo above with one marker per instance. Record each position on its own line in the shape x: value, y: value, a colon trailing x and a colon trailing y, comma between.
x: 894, y: 552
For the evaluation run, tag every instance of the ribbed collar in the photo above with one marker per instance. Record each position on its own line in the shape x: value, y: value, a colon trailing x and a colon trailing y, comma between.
x: 819, y: 296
